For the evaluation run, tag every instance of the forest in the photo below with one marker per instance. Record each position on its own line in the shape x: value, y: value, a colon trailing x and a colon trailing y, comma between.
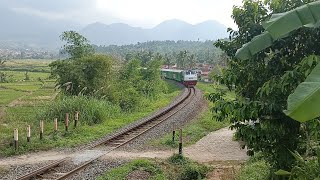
x: 201, y: 52
x: 274, y: 50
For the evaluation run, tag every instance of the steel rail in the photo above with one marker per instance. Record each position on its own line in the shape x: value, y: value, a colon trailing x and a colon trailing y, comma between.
x: 42, y: 169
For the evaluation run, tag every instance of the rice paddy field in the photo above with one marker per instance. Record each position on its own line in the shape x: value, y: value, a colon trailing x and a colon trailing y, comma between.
x: 28, y: 86
x: 28, y: 92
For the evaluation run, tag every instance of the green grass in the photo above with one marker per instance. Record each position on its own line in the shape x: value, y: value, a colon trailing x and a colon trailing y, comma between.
x: 21, y: 116
x: 20, y: 75
x: 174, y: 168
x: 255, y: 168
x: 22, y: 86
x: 193, y: 132
x: 8, y: 95
x: 31, y: 98
x: 36, y: 65
x: 122, y: 172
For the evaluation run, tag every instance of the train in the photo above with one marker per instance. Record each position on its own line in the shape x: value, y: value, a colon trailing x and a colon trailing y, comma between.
x: 186, y: 77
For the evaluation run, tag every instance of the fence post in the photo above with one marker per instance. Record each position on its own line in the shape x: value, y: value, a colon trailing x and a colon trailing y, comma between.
x: 41, y: 129
x: 28, y: 133
x: 180, y: 142
x: 173, y: 133
x: 16, y: 138
x: 76, y: 118
x: 55, y: 121
x: 67, y: 121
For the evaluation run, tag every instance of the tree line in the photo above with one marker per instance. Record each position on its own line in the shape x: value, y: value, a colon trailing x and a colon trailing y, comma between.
x: 182, y: 53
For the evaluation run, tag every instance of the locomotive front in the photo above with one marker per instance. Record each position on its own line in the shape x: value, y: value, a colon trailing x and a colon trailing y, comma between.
x: 190, y: 78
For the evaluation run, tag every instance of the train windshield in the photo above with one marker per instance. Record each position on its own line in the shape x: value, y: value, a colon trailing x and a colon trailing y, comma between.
x: 190, y: 72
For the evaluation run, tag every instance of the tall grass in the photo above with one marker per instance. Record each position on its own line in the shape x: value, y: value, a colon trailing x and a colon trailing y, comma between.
x: 92, y: 111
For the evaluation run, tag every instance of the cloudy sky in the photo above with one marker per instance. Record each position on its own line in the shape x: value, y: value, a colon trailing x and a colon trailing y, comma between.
x: 144, y: 13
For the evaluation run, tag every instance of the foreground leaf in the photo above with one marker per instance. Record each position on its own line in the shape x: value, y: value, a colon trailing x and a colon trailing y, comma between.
x: 303, y: 104
x: 279, y: 26
x: 282, y: 173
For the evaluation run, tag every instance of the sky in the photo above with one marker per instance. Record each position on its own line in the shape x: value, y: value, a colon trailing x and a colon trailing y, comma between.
x: 142, y: 13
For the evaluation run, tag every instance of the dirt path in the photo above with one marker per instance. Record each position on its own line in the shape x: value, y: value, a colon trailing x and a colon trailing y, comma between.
x: 216, y: 146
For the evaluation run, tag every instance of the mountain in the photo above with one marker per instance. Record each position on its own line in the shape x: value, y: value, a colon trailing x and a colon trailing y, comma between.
x: 20, y: 30
x: 24, y: 30
x: 120, y: 34
x: 117, y: 33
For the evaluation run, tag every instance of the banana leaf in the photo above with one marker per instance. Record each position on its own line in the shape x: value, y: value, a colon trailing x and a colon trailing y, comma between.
x: 303, y: 104
x: 279, y: 26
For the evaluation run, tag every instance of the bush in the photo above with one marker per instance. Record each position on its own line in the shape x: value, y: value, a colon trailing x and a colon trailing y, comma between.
x: 188, y: 169
x: 193, y: 171
x: 256, y: 168
x: 92, y: 111
x: 178, y: 159
x: 85, y: 75
x: 140, y: 164
x: 129, y: 100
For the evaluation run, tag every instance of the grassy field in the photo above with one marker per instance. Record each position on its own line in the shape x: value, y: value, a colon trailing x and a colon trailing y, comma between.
x: 22, y: 100
x: 20, y: 117
x: 33, y: 65
x: 203, y: 125
x: 175, y: 167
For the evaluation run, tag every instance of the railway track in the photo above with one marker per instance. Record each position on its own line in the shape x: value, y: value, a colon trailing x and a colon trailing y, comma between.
x: 53, y: 170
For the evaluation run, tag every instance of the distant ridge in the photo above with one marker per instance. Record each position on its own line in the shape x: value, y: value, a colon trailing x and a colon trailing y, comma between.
x: 23, y: 31
x: 120, y: 34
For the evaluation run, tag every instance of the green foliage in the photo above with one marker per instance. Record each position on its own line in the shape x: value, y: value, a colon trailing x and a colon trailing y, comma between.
x: 304, y: 168
x: 4, y: 77
x: 139, y: 164
x: 177, y: 159
x: 193, y: 171
x: 89, y: 75
x: 254, y: 169
x: 169, y: 50
x: 26, y: 78
x: 76, y: 45
x: 162, y: 171
x: 280, y: 25
x: 303, y: 102
x: 92, y: 111
x: 263, y: 83
x: 135, y: 83
x: 33, y: 101
x: 187, y: 168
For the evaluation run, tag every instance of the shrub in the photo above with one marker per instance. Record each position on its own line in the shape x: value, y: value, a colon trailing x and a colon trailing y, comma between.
x: 139, y: 164
x: 129, y: 100
x: 255, y: 169
x: 85, y: 75
x: 188, y: 169
x: 178, y: 159
x: 92, y: 111
x: 193, y: 171
x: 145, y: 165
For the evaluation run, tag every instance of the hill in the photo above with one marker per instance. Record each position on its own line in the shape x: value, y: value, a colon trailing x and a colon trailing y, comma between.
x: 20, y: 30
x: 121, y: 34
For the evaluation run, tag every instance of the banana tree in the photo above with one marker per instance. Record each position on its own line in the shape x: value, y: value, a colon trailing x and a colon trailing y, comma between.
x: 303, y: 103
x: 279, y: 26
